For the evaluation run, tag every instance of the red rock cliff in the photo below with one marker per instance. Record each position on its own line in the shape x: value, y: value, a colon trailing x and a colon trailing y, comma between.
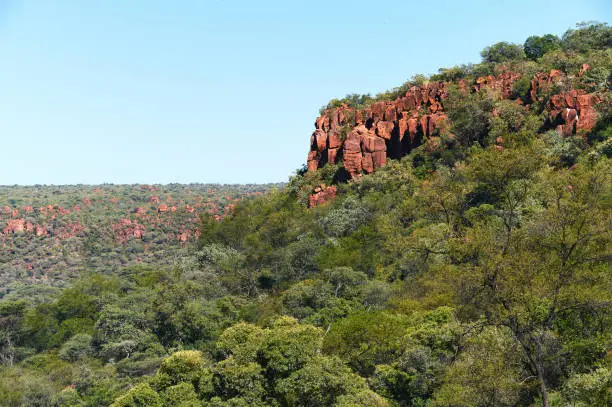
x: 363, y: 139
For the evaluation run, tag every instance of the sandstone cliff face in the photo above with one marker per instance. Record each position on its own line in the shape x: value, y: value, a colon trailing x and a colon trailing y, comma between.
x: 573, y: 112
x: 363, y: 139
x: 569, y: 112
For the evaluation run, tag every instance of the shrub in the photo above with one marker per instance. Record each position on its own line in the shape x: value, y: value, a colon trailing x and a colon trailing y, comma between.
x: 346, y: 219
x: 535, y: 46
x: 77, y: 347
x: 590, y: 389
x: 319, y: 383
x: 183, y: 366
x: 502, y: 52
x: 141, y: 395
x: 181, y: 395
x: 563, y: 151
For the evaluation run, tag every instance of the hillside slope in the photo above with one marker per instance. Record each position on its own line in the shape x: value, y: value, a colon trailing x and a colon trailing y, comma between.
x: 447, y: 245
x: 49, y: 234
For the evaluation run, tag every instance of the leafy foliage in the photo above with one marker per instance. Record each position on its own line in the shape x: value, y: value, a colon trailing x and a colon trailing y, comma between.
x: 476, y: 275
x: 502, y: 52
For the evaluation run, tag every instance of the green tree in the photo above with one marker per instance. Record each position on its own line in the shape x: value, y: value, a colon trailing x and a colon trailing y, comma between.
x: 590, y: 389
x: 234, y: 379
x: 77, y: 347
x: 119, y: 332
x: 365, y: 398
x: 181, y: 395
x: 536, y: 46
x: 470, y: 115
x: 287, y: 346
x: 39, y: 326
x: 242, y: 341
x: 502, y: 52
x: 588, y: 36
x: 485, y: 374
x: 547, y: 270
x: 141, y: 395
x: 366, y: 339
x: 183, y: 366
x: 319, y: 383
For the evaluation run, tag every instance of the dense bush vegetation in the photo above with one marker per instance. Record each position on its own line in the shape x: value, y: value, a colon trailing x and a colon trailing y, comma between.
x: 50, y: 234
x: 472, y: 275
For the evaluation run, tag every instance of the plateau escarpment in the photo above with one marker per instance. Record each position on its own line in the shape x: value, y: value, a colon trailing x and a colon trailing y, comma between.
x: 363, y: 138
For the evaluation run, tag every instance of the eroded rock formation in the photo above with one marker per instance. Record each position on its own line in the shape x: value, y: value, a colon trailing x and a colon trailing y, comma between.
x: 363, y: 139
x: 321, y: 195
x: 573, y: 112
x: 15, y: 226
x: 126, y: 229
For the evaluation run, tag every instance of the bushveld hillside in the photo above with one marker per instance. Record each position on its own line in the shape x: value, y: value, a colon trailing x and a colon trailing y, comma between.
x: 49, y: 234
x: 446, y: 244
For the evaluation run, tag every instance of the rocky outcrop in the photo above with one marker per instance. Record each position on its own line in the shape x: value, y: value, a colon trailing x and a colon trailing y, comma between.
x: 542, y: 82
x: 15, y: 226
x: 322, y: 194
x: 40, y: 231
x: 126, y: 229
x: 70, y: 230
x: 501, y: 83
x: 184, y: 236
x: 573, y: 112
x: 21, y: 225
x: 364, y: 139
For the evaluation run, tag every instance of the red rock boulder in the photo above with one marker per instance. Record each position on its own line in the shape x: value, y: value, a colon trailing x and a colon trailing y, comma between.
x: 321, y: 195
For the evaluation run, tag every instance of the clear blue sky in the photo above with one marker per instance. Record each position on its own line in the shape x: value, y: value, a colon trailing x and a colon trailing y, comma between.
x: 147, y: 91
